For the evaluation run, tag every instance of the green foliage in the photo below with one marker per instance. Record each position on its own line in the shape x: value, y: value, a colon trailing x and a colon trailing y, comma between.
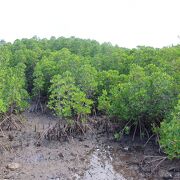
x: 104, y: 102
x: 107, y: 79
x: 86, y: 79
x: 13, y: 95
x: 67, y: 61
x: 170, y: 134
x: 128, y: 99
x: 117, y: 136
x: 79, y: 77
x: 43, y: 72
x: 80, y: 104
x: 127, y: 130
x: 162, y: 94
x: 66, y: 99
x: 5, y: 56
x: 61, y: 92
x: 146, y: 95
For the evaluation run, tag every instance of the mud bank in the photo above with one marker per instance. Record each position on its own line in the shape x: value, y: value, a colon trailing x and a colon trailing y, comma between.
x: 88, y: 157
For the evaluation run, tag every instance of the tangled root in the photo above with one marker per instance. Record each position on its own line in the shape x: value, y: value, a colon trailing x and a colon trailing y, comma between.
x: 63, y: 132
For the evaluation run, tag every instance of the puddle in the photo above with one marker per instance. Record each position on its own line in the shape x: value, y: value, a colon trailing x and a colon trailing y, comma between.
x: 100, y: 167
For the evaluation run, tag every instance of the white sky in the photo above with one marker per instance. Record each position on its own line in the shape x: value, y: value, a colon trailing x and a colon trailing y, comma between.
x: 127, y: 23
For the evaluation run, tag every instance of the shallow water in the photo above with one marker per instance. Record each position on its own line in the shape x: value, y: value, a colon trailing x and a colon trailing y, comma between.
x: 100, y: 166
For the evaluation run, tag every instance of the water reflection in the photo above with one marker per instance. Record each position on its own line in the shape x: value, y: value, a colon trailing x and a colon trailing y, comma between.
x: 100, y: 167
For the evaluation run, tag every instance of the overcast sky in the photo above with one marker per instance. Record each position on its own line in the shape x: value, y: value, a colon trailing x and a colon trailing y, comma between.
x: 127, y: 23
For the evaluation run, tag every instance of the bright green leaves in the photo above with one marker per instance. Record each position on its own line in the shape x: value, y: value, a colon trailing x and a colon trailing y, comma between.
x: 144, y: 97
x: 107, y: 79
x: 2, y: 106
x: 104, y: 102
x: 13, y: 95
x: 15, y: 84
x: 170, y: 134
x: 66, y: 99
x: 43, y: 73
x: 5, y: 56
x: 80, y: 104
x: 61, y: 93
x: 67, y: 61
x: 161, y: 92
x: 69, y: 81
x: 145, y: 94
x: 129, y: 98
x: 86, y: 79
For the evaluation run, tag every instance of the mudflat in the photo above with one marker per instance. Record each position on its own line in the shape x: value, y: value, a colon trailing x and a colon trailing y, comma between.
x: 92, y: 156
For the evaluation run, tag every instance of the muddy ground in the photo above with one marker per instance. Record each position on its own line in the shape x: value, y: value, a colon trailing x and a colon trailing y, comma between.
x: 93, y: 156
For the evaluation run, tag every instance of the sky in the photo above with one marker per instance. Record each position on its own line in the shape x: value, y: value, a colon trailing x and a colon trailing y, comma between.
x: 127, y: 23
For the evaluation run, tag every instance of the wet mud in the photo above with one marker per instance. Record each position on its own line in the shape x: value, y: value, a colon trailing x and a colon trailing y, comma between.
x: 89, y: 157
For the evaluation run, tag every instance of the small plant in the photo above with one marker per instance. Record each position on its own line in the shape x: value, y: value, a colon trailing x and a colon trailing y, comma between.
x: 126, y: 130
x: 117, y: 136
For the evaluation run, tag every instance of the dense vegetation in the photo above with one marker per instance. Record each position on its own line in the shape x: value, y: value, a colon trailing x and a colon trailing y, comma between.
x: 138, y: 87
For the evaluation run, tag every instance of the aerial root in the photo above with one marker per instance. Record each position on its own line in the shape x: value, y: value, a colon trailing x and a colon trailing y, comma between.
x: 149, y: 140
x: 134, y: 132
x: 38, y: 106
x: 152, y: 163
x: 62, y: 132
x: 161, y: 160
x: 11, y: 122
